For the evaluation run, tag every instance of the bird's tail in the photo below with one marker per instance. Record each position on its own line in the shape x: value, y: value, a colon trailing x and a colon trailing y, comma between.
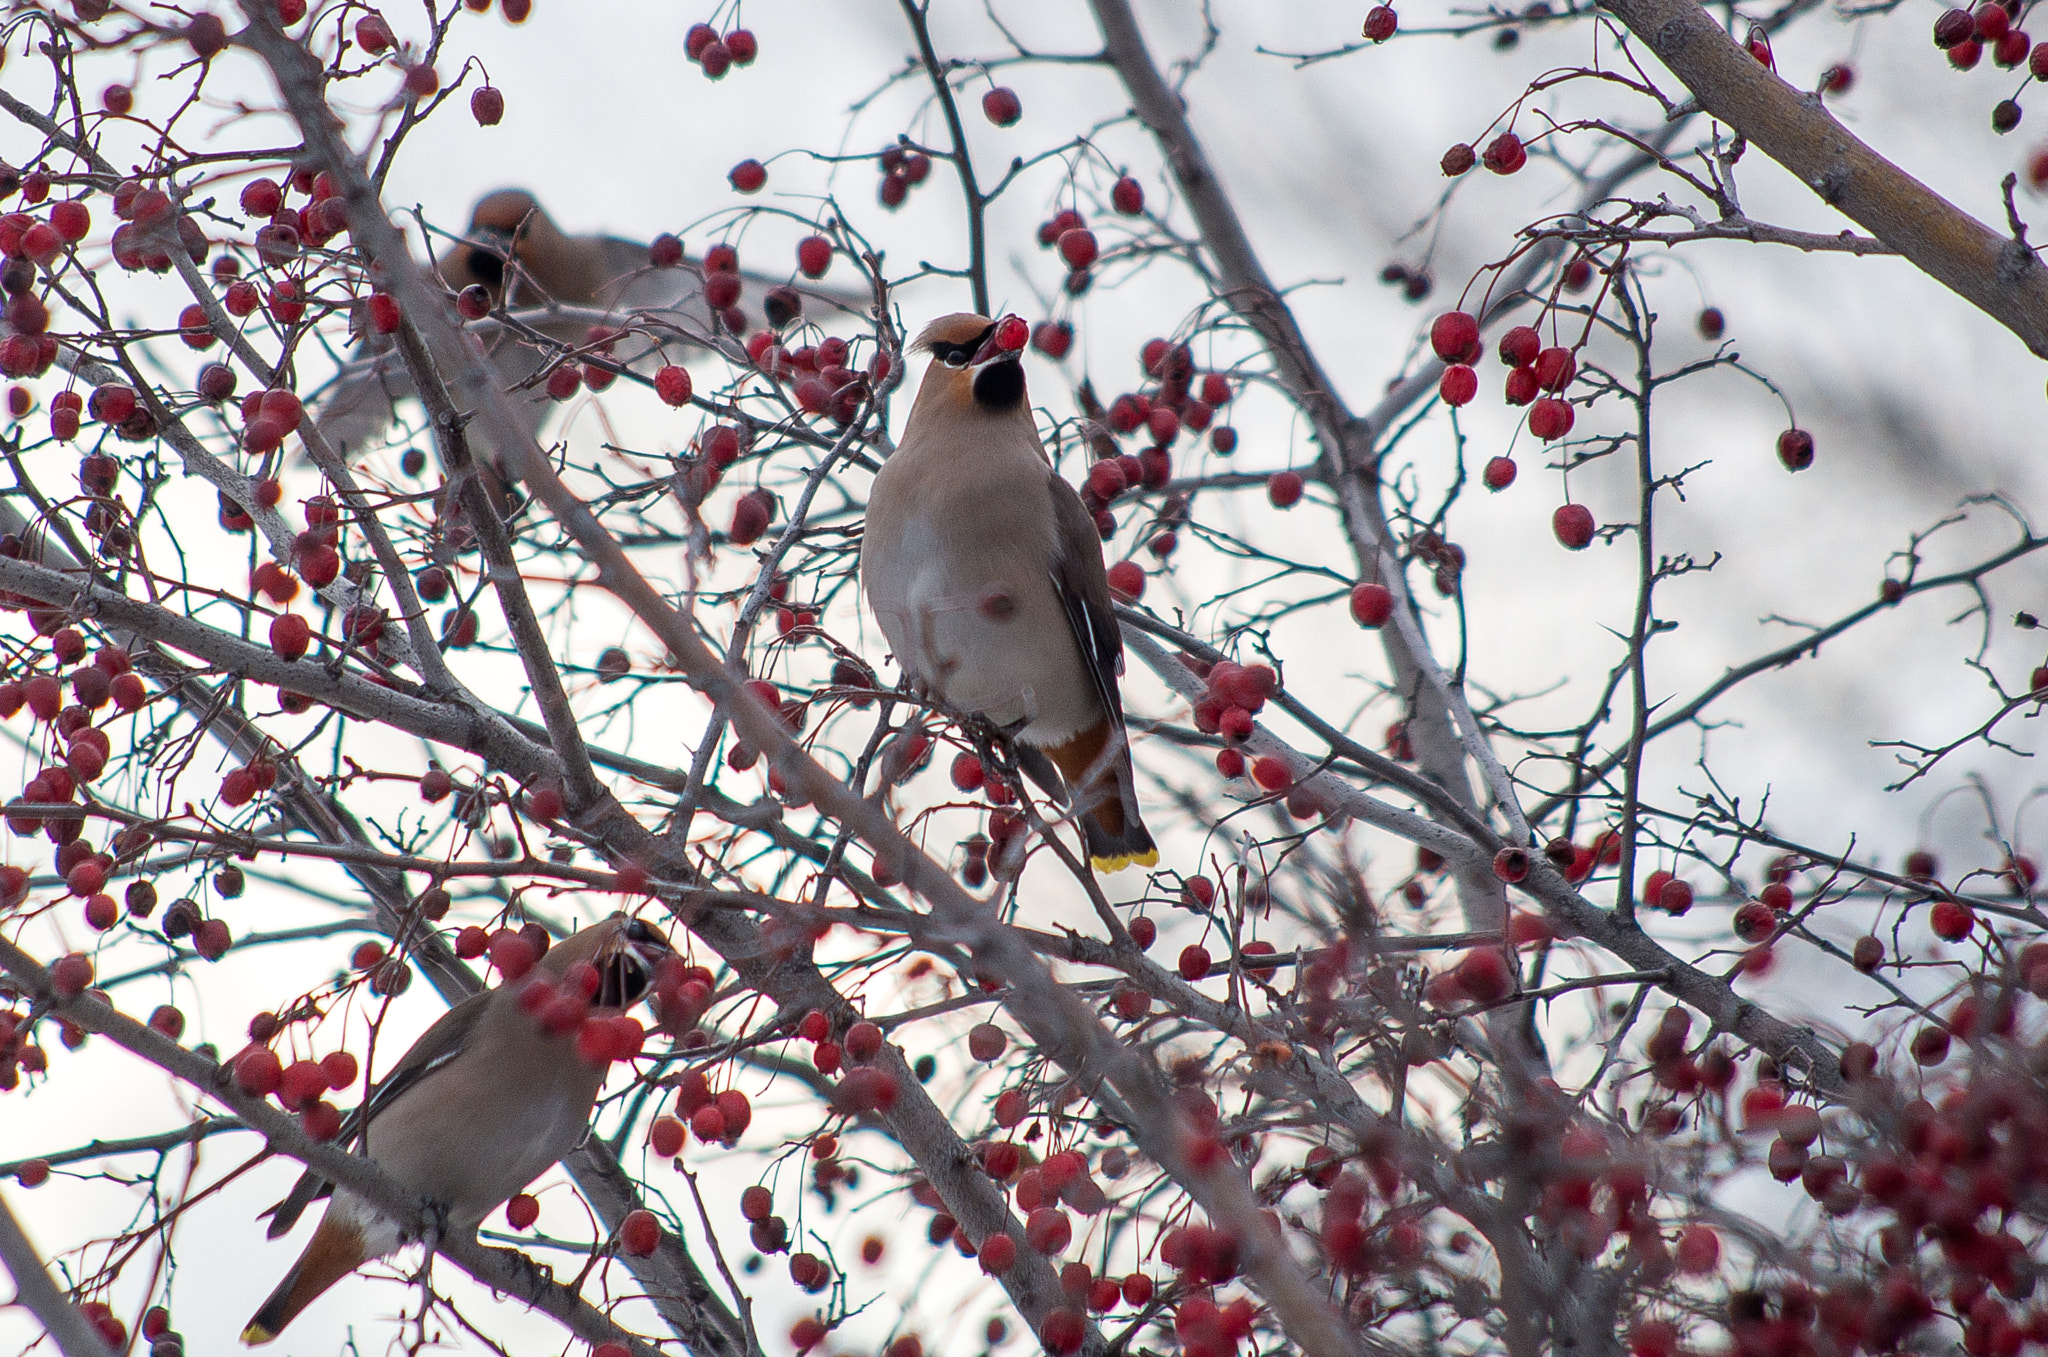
x: 336, y: 1249
x: 1097, y: 767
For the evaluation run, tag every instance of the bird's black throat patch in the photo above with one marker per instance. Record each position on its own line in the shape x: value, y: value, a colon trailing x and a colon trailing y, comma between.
x: 1000, y: 384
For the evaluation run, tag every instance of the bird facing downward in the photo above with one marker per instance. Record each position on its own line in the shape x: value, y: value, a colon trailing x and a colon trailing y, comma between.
x: 985, y: 572
x: 486, y: 1101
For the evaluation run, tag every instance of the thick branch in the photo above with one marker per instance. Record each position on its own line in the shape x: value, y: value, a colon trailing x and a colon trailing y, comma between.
x: 1995, y: 273
x: 35, y: 1292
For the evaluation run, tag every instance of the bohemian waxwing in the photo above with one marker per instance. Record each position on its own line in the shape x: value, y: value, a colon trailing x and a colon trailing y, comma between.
x: 985, y: 571
x: 489, y: 1097
x: 517, y: 253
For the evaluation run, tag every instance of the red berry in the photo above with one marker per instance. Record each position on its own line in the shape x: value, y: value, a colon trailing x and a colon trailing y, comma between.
x: 71, y: 221
x: 1511, y: 864
x: 639, y: 1233
x: 1458, y: 385
x: 1555, y: 368
x: 1078, y: 248
x: 340, y: 1068
x: 1485, y: 975
x: 212, y: 939
x: 986, y: 1042
x: 998, y: 1254
x: 1002, y: 106
x: 1500, y: 473
x: 1127, y: 196
x: 743, y: 46
x: 1573, y: 524
x: 1755, y: 921
x: 374, y: 35
x: 1380, y: 23
x: 522, y: 1211
x: 1053, y: 338
x: 672, y: 384
x: 1505, y: 154
x: 814, y: 256
x: 1127, y: 580
x: 751, y: 516
x: 1550, y: 418
x: 1951, y: 920
x: 1455, y: 337
x: 1519, y: 346
x: 1930, y: 1045
x: 258, y: 1072
x: 863, y: 1041
x: 1795, y: 449
x: 1194, y: 962
x: 748, y: 176
x: 1271, y: 773
x: 1284, y: 489
x: 1699, y: 1250
x: 1048, y: 1231
x: 1371, y: 604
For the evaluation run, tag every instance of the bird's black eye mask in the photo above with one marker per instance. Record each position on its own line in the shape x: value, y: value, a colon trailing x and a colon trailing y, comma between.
x: 960, y: 355
x: 490, y: 250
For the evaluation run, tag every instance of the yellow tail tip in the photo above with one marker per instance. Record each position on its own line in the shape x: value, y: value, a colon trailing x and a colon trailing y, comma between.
x: 1148, y: 858
x: 255, y: 1336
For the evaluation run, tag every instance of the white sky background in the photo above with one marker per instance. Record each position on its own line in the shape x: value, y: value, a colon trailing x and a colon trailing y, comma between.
x: 1916, y: 400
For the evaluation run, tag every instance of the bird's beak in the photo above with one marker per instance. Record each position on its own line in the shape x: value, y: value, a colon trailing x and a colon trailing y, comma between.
x: 992, y: 352
x: 628, y: 972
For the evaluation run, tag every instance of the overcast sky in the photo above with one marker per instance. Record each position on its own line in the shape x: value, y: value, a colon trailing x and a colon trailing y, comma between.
x: 1916, y: 399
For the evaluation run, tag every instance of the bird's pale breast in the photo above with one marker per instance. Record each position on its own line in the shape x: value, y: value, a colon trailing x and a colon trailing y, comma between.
x: 969, y: 610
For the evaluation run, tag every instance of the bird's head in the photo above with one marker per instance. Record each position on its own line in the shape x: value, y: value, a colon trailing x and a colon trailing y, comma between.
x: 626, y: 953
x: 504, y: 227
x: 975, y: 362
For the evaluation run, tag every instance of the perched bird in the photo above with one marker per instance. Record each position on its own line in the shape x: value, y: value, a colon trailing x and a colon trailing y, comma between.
x: 985, y: 571
x: 517, y: 253
x: 486, y: 1101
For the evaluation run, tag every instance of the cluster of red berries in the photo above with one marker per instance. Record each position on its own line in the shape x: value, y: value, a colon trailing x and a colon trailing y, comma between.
x: 287, y: 230
x: 1505, y: 154
x: 79, y: 752
x: 821, y: 377
x: 1005, y: 827
x: 26, y: 245
x: 1233, y: 698
x: 715, y: 55
x: 1041, y: 1189
x: 863, y: 1088
x: 1533, y: 370
x: 1965, y: 36
x: 903, y: 169
x: 19, y: 1055
x: 1067, y: 233
x: 299, y: 1087
x: 1178, y: 399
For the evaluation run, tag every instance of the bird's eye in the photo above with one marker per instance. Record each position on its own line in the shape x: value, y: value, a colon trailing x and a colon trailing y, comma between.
x: 954, y: 358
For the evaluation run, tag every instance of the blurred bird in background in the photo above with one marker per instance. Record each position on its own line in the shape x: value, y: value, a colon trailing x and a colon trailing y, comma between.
x: 985, y: 571
x: 563, y: 285
x: 489, y: 1097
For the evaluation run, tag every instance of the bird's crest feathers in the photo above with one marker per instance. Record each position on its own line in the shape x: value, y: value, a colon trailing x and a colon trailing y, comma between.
x: 962, y: 329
